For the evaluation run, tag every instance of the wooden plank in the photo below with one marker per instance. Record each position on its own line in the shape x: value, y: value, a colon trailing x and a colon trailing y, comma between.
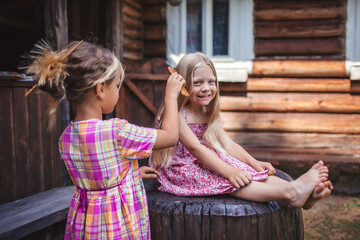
x: 293, y: 68
x: 154, y: 14
x: 147, y: 76
x: 7, y: 151
x: 141, y: 96
x: 46, y: 140
x: 292, y: 102
x: 131, y: 22
x: 131, y: 12
x: 27, y: 215
x: 134, y: 3
x: 56, y: 23
x: 346, y: 142
x: 132, y: 44
x: 303, y: 47
x: 298, y: 10
x: 21, y: 135
x: 155, y: 49
x: 302, y: 157
x: 157, y: 32
x: 299, y: 29
x: 35, y: 141
x: 290, y: 85
x: 132, y: 55
x: 132, y: 33
x: 114, y: 27
x: 292, y: 122
x: 57, y: 164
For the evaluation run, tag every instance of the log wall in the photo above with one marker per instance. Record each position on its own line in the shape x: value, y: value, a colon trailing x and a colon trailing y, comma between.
x: 154, y: 29
x: 132, y: 31
x: 29, y: 156
x: 299, y: 29
x: 295, y: 111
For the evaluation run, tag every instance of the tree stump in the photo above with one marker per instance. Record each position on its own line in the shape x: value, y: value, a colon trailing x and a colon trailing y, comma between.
x: 220, y: 217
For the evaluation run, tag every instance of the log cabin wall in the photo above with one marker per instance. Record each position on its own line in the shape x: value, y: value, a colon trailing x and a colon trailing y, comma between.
x: 298, y: 105
x: 29, y: 156
x: 132, y: 33
x: 295, y: 112
x: 299, y: 29
x: 154, y: 29
x: 144, y: 86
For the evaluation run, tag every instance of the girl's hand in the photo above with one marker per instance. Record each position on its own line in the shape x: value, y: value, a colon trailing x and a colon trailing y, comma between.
x: 262, y: 166
x: 239, y: 178
x: 174, y: 85
x: 148, y: 172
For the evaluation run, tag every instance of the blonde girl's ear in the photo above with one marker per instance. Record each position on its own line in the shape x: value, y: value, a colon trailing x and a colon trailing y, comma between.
x: 100, y: 90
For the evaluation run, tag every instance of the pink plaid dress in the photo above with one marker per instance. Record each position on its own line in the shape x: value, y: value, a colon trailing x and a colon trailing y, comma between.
x: 101, y: 158
x: 189, y: 177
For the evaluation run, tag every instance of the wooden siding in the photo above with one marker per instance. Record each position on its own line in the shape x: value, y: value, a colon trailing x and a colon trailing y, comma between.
x: 299, y: 29
x: 295, y: 111
x: 154, y: 29
x: 132, y: 31
x: 29, y: 155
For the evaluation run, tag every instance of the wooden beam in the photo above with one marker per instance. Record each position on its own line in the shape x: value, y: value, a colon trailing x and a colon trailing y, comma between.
x: 56, y: 23
x: 131, y: 12
x: 292, y: 102
x: 131, y: 22
x: 307, y: 12
x: 114, y: 27
x: 292, y: 122
x: 332, y: 158
x: 300, y: 140
x: 299, y: 29
x: 291, y: 85
x: 141, y: 96
x: 132, y: 55
x: 132, y: 44
x: 148, y: 76
x: 301, y: 47
x: 293, y: 68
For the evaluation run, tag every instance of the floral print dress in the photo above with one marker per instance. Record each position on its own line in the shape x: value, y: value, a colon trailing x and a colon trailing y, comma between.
x: 189, y: 177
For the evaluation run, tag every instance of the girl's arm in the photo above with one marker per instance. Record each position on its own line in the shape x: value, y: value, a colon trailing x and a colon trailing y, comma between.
x: 236, y: 151
x: 237, y: 178
x: 168, y: 135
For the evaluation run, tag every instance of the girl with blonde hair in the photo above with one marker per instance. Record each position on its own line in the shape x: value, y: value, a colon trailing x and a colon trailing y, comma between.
x: 207, y: 162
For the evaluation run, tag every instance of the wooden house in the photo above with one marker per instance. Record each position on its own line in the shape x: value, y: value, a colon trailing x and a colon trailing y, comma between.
x: 288, y: 73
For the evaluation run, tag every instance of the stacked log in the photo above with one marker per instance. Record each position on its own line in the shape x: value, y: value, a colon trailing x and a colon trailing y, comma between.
x: 299, y: 29
x: 295, y: 111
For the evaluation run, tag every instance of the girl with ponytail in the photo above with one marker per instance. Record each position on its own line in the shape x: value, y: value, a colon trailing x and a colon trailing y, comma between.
x: 207, y: 162
x: 101, y: 156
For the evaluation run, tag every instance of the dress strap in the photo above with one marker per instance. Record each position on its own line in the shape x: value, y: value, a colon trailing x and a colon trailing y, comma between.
x: 185, y: 115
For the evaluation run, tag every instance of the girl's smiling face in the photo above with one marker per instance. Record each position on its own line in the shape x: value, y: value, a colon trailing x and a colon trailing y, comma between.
x: 204, y: 86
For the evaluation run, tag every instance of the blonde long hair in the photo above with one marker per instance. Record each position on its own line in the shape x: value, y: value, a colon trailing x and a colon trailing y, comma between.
x: 186, y: 68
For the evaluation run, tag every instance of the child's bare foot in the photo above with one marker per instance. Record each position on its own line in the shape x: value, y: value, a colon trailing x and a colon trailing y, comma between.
x: 305, y: 185
x: 321, y: 191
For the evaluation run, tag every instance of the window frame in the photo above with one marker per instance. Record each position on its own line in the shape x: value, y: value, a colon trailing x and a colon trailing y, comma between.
x: 241, y: 40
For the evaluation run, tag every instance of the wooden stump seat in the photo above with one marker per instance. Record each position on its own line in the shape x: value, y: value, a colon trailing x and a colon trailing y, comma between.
x: 220, y: 217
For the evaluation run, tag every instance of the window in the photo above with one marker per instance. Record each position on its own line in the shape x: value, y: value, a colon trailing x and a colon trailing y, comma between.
x: 222, y: 29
